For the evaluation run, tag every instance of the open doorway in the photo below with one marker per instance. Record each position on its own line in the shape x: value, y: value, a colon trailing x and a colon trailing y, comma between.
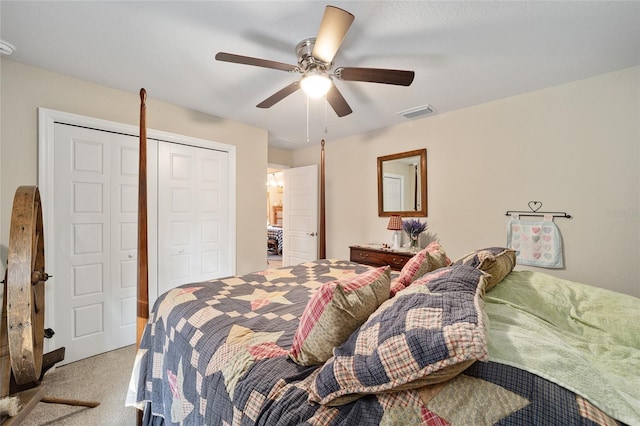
x: 275, y: 199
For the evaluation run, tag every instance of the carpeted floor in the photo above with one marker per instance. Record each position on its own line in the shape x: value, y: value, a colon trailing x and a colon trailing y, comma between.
x: 274, y: 261
x: 103, y: 378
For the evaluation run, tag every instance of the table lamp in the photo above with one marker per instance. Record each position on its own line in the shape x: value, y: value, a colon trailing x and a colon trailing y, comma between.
x: 395, y: 225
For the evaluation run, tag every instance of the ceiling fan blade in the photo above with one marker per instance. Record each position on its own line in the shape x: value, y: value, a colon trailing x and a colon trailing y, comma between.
x: 376, y: 75
x: 334, y: 26
x: 279, y: 95
x: 247, y: 60
x: 337, y: 102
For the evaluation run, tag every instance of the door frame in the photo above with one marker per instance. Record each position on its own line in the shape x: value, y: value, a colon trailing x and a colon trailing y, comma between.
x: 47, y: 118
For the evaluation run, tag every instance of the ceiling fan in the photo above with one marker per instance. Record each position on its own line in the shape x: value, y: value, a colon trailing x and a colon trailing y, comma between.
x: 315, y: 60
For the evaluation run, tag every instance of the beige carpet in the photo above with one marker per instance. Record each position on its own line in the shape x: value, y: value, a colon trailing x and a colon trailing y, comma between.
x: 103, y: 378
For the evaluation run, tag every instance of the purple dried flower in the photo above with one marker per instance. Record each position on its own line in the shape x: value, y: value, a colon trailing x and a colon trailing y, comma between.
x: 414, y: 227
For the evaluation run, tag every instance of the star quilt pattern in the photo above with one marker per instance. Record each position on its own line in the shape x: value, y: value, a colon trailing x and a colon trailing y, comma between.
x: 215, y: 353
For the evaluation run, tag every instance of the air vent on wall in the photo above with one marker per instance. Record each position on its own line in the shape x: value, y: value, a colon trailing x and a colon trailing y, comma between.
x: 417, y: 111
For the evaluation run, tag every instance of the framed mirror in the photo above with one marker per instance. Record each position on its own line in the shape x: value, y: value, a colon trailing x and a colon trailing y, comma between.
x: 402, y: 184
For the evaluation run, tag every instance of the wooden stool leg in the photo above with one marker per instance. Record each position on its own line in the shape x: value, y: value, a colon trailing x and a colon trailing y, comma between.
x: 74, y: 402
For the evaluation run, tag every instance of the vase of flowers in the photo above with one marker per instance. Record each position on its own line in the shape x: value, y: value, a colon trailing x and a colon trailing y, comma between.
x: 413, y: 228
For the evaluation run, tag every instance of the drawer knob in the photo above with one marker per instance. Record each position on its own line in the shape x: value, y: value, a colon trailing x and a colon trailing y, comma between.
x: 363, y: 255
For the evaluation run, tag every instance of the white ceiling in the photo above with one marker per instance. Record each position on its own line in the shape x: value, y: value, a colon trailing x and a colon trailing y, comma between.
x: 463, y: 53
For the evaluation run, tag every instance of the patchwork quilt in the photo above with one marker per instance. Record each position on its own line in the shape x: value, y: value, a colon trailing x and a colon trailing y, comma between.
x: 216, y: 353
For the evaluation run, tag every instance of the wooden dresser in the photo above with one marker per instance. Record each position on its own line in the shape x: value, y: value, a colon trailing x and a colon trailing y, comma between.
x: 277, y: 216
x: 379, y: 257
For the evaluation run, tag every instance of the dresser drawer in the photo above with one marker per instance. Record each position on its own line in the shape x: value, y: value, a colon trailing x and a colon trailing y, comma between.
x: 376, y: 257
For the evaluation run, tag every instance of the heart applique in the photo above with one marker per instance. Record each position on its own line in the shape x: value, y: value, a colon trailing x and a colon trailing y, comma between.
x: 516, y: 237
x: 535, y: 205
x: 516, y: 228
x: 547, y: 229
x: 535, y: 238
x: 546, y: 247
x: 535, y: 229
x: 536, y: 255
x: 547, y: 238
x: 547, y: 256
x: 525, y: 238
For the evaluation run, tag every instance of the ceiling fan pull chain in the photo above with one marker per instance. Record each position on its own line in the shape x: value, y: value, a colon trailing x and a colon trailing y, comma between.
x: 325, y: 115
x: 307, y: 119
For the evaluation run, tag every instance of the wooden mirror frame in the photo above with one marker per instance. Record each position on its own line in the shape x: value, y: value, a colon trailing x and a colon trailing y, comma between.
x: 422, y: 153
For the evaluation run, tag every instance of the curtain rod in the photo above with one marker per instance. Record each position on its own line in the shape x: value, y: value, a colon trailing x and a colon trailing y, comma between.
x: 534, y: 210
x: 537, y: 213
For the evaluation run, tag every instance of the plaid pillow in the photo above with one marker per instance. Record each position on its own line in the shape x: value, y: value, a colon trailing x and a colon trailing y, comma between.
x: 497, y: 261
x: 426, y: 334
x: 335, y: 311
x: 429, y: 259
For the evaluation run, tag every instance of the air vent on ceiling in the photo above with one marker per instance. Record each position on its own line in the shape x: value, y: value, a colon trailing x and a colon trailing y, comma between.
x: 417, y: 111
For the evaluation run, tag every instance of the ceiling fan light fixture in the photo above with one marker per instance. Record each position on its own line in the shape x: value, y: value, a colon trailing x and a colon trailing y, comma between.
x: 315, y: 62
x: 315, y: 84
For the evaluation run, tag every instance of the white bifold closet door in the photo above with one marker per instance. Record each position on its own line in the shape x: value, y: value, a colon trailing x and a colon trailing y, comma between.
x: 192, y: 215
x: 95, y: 202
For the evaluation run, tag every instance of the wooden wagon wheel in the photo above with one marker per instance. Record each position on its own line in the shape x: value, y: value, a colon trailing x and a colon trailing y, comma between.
x: 25, y: 286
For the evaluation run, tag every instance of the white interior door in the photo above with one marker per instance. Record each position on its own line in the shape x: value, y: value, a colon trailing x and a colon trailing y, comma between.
x: 300, y: 211
x: 95, y: 206
x: 193, y: 220
x: 393, y: 193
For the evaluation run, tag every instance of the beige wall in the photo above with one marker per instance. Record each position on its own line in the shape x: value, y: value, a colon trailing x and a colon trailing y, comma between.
x: 575, y: 147
x: 25, y: 88
x: 279, y: 156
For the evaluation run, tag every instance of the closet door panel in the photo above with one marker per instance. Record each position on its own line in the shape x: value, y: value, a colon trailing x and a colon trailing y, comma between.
x: 124, y: 242
x: 82, y: 240
x: 192, y: 184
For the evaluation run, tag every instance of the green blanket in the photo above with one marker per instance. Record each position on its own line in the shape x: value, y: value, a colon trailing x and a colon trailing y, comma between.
x: 584, y: 338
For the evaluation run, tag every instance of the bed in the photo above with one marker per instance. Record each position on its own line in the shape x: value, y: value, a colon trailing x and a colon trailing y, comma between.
x: 275, y: 233
x: 331, y: 342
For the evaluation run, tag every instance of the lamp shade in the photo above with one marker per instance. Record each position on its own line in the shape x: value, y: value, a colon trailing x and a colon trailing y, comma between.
x: 315, y: 84
x: 395, y: 223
